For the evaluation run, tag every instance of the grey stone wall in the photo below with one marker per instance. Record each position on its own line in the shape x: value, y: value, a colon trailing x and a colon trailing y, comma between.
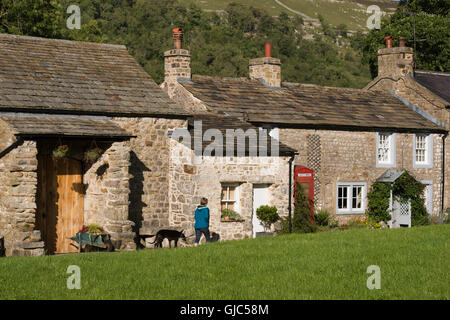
x: 193, y: 177
x: 18, y: 183
x: 106, y: 200
x: 149, y: 170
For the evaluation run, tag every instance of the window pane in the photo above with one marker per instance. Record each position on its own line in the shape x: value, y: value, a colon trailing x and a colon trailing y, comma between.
x: 342, y: 197
x: 224, y: 193
x: 231, y: 194
x: 357, y: 197
x: 384, y: 147
x: 421, y: 148
x: 231, y: 206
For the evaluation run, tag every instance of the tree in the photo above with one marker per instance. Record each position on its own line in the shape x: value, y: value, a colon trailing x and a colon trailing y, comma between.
x: 30, y: 17
x: 431, y: 25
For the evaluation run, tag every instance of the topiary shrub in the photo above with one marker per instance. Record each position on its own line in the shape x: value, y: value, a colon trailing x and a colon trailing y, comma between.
x: 267, y: 215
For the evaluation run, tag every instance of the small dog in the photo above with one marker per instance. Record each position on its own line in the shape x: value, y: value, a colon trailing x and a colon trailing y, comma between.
x: 171, y: 235
x: 2, y: 247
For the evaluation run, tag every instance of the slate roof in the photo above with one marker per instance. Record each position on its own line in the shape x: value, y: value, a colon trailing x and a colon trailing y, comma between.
x: 307, y: 105
x: 224, y: 123
x: 436, y: 82
x: 24, y: 124
x: 61, y: 76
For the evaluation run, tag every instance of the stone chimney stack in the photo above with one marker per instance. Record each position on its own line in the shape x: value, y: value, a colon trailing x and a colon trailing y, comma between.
x: 395, y: 62
x: 177, y: 61
x: 266, y: 69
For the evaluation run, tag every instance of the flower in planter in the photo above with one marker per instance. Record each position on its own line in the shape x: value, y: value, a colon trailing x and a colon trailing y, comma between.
x: 230, y: 215
x: 92, y: 155
x: 92, y: 228
x: 60, y: 151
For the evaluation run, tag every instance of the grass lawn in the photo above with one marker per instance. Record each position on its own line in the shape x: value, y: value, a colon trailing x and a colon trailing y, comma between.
x: 414, y: 264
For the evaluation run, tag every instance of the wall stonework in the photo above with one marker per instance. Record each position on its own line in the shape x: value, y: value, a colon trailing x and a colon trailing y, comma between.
x: 268, y: 69
x: 106, y: 200
x: 407, y: 88
x: 18, y: 183
x: 194, y: 177
x: 351, y: 157
x: 149, y: 170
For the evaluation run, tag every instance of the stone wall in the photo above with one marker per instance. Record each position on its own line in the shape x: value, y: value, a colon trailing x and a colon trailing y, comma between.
x: 193, y: 177
x: 410, y: 90
x: 18, y: 183
x: 149, y: 170
x: 351, y: 157
x: 268, y: 69
x: 106, y: 200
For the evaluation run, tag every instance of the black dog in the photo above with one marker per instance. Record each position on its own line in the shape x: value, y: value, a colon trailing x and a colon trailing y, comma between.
x: 215, y: 237
x: 171, y: 235
x: 2, y: 247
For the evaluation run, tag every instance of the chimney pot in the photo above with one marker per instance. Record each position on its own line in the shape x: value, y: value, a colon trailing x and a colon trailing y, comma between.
x: 268, y: 50
x: 388, y: 41
x: 401, y: 42
x: 177, y: 37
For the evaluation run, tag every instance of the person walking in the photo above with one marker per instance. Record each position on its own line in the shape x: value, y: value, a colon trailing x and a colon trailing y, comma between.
x: 201, y: 225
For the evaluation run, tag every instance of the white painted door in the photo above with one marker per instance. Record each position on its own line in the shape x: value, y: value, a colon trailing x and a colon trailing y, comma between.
x: 260, y: 198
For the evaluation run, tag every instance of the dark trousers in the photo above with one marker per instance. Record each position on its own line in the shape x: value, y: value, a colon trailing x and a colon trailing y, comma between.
x: 198, y: 234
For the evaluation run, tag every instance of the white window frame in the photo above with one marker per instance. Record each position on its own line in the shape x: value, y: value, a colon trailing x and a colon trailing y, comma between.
x: 236, y: 196
x: 350, y: 209
x: 428, y: 163
x: 392, y: 150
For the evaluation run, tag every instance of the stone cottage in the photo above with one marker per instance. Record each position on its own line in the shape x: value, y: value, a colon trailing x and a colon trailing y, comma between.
x: 84, y: 96
x: 345, y: 138
x: 427, y: 92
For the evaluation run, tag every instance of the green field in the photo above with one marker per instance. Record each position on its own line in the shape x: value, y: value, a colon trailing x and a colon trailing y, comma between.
x: 414, y: 264
x: 349, y: 12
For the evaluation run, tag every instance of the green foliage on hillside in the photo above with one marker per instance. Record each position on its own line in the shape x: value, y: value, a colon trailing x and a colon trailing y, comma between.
x: 432, y: 25
x: 220, y: 45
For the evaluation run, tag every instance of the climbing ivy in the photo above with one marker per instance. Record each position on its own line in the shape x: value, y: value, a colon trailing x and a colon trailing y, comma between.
x: 404, y: 188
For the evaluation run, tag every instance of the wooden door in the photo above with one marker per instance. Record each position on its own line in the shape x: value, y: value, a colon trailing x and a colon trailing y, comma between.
x: 59, y: 202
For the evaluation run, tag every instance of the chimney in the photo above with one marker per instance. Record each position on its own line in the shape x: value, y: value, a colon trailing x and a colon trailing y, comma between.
x: 395, y: 62
x: 267, y: 69
x: 177, y: 61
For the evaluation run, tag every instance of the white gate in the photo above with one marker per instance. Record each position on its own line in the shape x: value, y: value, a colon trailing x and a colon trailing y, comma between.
x: 401, y: 214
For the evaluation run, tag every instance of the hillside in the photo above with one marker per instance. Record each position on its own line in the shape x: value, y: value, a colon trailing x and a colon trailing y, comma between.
x: 336, y: 12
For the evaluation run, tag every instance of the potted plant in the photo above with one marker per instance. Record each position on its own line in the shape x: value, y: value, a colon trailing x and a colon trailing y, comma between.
x: 268, y: 215
x: 60, y: 151
x: 92, y: 154
x: 230, y: 215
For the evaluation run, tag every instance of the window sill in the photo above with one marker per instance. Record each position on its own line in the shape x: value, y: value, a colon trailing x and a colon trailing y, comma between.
x: 422, y: 165
x: 223, y: 220
x: 350, y: 212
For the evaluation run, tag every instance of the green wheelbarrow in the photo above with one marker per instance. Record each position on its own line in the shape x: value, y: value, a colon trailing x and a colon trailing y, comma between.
x: 86, y: 241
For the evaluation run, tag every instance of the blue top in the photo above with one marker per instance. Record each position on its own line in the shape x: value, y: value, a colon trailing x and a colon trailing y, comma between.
x: 201, y: 217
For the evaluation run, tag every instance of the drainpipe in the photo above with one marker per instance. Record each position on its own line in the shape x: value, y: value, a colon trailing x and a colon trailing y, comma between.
x: 443, y: 174
x: 291, y: 159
